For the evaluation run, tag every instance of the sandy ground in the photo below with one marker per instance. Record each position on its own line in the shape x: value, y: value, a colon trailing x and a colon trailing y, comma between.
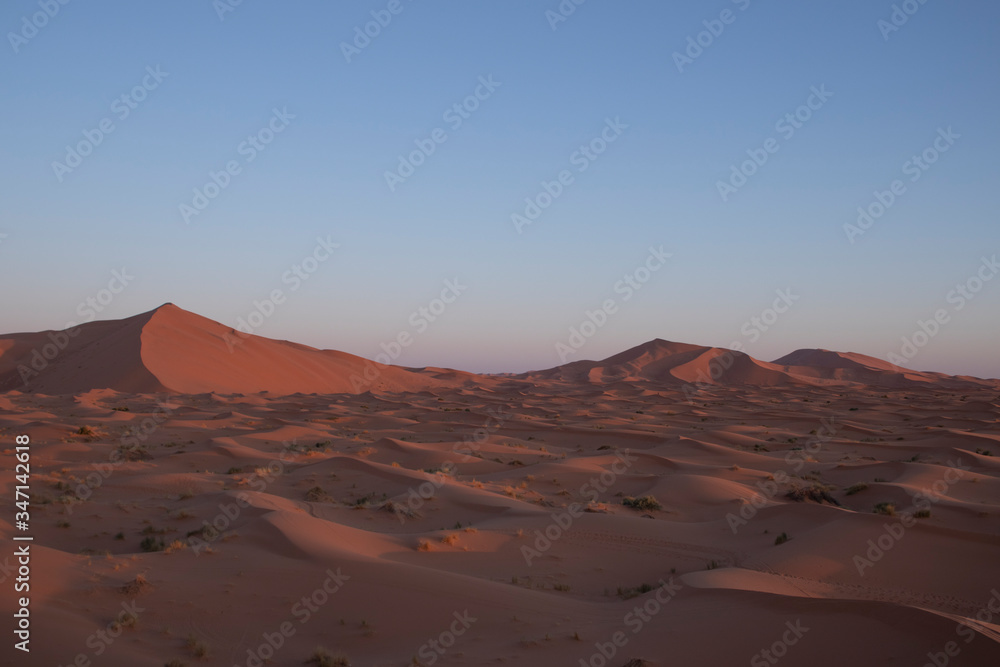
x: 583, y: 517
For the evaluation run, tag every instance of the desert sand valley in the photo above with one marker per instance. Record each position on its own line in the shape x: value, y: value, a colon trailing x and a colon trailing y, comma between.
x: 203, y: 497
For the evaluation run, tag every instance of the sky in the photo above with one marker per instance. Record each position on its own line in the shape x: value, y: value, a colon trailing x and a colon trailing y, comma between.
x: 510, y: 185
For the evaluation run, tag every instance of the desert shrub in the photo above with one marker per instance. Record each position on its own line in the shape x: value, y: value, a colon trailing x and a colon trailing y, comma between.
x: 151, y: 544
x: 125, y: 619
x: 644, y: 503
x: 197, y: 647
x: 817, y: 493
x: 629, y: 593
x: 369, y: 499
x: 323, y: 658
x: 888, y: 509
x: 136, y: 587
x: 133, y: 453
x: 317, y: 495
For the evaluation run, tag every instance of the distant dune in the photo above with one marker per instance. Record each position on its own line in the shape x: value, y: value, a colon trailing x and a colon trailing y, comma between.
x: 172, y: 350
x: 860, y: 368
x: 666, y: 362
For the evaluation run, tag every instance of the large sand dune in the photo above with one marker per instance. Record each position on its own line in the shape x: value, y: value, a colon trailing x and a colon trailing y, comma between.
x: 170, y: 349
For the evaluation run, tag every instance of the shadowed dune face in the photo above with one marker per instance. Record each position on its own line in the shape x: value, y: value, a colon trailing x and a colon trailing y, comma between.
x: 829, y: 359
x: 614, y: 513
x: 96, y: 355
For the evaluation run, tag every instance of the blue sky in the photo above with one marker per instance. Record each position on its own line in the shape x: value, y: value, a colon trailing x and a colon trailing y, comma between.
x: 555, y: 89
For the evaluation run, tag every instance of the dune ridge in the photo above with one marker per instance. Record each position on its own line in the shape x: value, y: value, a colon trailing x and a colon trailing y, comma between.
x: 172, y: 350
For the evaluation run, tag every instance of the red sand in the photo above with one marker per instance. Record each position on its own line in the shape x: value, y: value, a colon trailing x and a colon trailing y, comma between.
x: 321, y: 475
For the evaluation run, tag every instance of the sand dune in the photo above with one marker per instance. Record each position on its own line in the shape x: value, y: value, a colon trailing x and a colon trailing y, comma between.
x: 170, y: 349
x: 665, y: 362
x: 820, y: 497
x: 862, y: 369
